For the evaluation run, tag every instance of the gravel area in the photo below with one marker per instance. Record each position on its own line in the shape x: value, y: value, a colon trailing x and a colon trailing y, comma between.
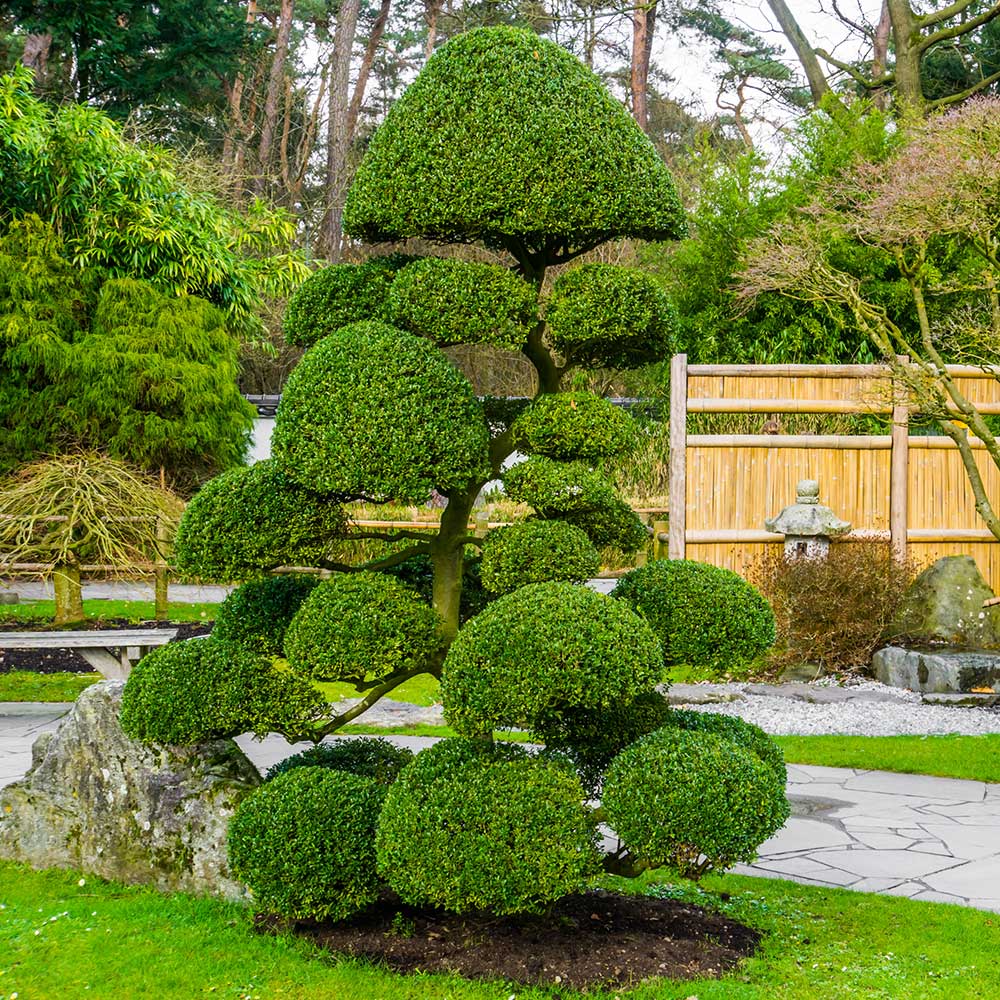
x: 865, y: 709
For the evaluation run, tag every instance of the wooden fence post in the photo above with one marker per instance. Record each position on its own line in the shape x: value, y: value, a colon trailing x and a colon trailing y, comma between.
x: 678, y: 457
x: 899, y: 470
x: 661, y: 536
x: 161, y: 573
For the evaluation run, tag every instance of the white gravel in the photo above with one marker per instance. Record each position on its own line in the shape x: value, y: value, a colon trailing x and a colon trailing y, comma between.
x: 903, y: 715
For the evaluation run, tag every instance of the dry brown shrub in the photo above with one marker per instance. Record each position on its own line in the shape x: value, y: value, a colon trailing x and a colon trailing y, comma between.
x: 832, y: 612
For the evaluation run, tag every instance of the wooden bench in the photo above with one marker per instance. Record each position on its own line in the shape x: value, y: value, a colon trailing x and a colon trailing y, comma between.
x: 129, y: 646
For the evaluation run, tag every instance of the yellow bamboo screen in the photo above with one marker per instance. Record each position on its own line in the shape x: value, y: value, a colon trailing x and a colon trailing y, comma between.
x: 734, y: 487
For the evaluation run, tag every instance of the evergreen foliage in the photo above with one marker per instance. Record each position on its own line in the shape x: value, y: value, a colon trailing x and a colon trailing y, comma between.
x: 418, y: 572
x: 461, y: 302
x: 574, y: 425
x: 250, y: 520
x: 373, y: 758
x: 421, y: 427
x: 257, y: 614
x: 535, y: 552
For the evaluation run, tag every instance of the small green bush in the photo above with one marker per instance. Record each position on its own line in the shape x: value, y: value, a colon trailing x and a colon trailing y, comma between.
x: 704, y: 615
x: 461, y: 302
x: 475, y: 826
x: 731, y: 727
x: 612, y: 523
x: 334, y: 297
x: 605, y: 316
x: 305, y: 844
x: 557, y: 489
x: 257, y: 614
x: 418, y: 572
x: 368, y: 757
x: 250, y: 520
x: 546, y: 648
x: 574, y: 425
x: 205, y: 689
x: 372, y: 412
x: 534, y: 552
x: 592, y: 738
x: 361, y: 626
x: 692, y: 800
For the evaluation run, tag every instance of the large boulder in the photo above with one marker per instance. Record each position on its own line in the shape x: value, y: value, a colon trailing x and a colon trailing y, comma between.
x: 945, y: 605
x: 98, y: 801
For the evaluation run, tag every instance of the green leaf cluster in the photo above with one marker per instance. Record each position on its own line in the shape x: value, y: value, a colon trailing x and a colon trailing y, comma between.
x: 257, y: 614
x: 417, y: 572
x: 704, y: 615
x: 205, y: 689
x: 692, y: 800
x: 362, y: 627
x: 604, y: 316
x: 535, y: 552
x: 462, y: 302
x: 507, y: 138
x: 305, y: 844
x: 546, y: 647
x: 373, y: 412
x: 250, y: 520
x: 368, y: 757
x: 477, y: 826
x: 574, y: 425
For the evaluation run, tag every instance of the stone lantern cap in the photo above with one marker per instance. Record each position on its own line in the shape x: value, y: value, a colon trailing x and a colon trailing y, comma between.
x: 807, y: 517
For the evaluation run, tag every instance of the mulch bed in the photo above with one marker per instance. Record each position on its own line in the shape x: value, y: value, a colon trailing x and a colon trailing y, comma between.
x: 52, y: 661
x: 596, y: 938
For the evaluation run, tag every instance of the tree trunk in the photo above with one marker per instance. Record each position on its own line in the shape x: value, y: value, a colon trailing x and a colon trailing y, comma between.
x: 68, y: 594
x: 361, y: 85
x: 234, y: 141
x: 880, y: 56
x: 819, y: 86
x: 273, y: 96
x: 906, y: 45
x: 36, y: 57
x: 433, y: 12
x: 643, y: 23
x: 448, y: 561
x: 338, y: 139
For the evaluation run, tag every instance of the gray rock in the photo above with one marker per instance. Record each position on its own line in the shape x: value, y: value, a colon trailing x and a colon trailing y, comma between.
x: 959, y: 700
x: 9, y: 597
x: 802, y: 672
x: 815, y: 694
x: 98, y: 801
x: 701, y: 694
x: 945, y: 604
x: 938, y: 671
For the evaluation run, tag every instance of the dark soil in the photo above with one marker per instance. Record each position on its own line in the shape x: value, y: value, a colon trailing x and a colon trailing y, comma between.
x: 594, y: 939
x: 52, y: 661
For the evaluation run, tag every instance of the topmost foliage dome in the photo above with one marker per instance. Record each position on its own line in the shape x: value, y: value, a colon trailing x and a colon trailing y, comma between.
x: 507, y: 138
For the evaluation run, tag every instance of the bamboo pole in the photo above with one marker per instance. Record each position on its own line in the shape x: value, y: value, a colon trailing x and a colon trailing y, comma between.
x: 661, y: 539
x: 899, y: 473
x: 678, y: 456
x: 722, y: 405
x: 833, y: 442
x: 829, y: 371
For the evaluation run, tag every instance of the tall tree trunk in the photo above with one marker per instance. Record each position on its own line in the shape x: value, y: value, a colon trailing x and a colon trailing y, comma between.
x: 448, y: 561
x: 906, y: 44
x: 432, y: 12
x: 819, y: 86
x: 643, y: 23
x: 236, y: 133
x: 273, y: 96
x: 36, y: 57
x: 338, y: 139
x: 880, y: 55
x: 361, y: 84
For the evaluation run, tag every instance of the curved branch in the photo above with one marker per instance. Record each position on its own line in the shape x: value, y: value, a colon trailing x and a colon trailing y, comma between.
x: 943, y: 102
x: 956, y: 30
x: 386, y: 562
x: 855, y: 74
x: 383, y: 688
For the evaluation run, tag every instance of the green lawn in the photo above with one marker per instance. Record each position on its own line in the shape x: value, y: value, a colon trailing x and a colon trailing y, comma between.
x: 26, y: 685
x: 135, y: 611
x: 62, y: 939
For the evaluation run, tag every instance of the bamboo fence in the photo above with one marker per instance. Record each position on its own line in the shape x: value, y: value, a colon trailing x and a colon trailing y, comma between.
x: 909, y: 491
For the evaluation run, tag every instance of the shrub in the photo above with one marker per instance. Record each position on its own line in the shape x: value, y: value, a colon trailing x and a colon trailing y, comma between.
x: 257, y: 614
x: 613, y: 523
x: 418, y: 572
x: 592, y: 738
x: 702, y: 614
x: 250, y: 520
x: 574, y: 425
x: 372, y: 412
x: 461, y: 302
x: 205, y: 689
x: 546, y: 648
x: 362, y: 626
x: 534, y: 552
x: 368, y: 757
x: 603, y: 316
x: 731, y: 727
x: 833, y: 612
x: 305, y: 844
x: 692, y: 800
x: 472, y: 826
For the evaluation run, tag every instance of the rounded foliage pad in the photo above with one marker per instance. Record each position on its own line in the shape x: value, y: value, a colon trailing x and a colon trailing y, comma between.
x: 257, y: 614
x: 543, y: 649
x: 475, y: 826
x: 361, y: 626
x: 375, y: 412
x: 693, y: 800
x: 334, y: 297
x: 250, y: 520
x: 205, y: 689
x: 505, y: 134
x: 305, y: 844
x: 418, y: 572
x: 574, y: 425
x: 603, y: 316
x: 704, y: 615
x: 534, y: 552
x: 461, y: 302
x: 370, y: 757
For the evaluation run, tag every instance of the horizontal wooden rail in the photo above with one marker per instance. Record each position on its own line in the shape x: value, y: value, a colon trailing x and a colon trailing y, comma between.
x: 835, y: 442
x: 754, y: 536
x: 715, y: 404
x: 828, y: 371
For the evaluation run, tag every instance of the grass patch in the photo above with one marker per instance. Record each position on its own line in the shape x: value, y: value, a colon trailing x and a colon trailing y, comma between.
x: 35, y: 612
x: 26, y: 685
x: 419, y: 690
x: 61, y: 939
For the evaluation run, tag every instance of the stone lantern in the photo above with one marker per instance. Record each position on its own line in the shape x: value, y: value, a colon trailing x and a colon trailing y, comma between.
x: 807, y: 525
